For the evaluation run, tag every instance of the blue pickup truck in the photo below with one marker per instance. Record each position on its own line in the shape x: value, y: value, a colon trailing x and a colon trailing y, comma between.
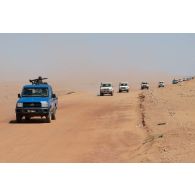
x: 36, y: 99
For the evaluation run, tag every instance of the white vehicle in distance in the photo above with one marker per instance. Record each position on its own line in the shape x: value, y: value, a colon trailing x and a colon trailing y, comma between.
x: 175, y: 81
x: 161, y: 84
x: 106, y: 88
x: 144, y: 85
x: 123, y: 86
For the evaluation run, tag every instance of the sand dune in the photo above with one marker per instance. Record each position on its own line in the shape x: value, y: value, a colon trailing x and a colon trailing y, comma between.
x: 142, y: 126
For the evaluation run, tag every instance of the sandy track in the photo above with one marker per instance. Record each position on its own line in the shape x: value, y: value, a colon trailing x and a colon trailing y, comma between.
x: 142, y: 126
x: 170, y: 112
x: 88, y: 129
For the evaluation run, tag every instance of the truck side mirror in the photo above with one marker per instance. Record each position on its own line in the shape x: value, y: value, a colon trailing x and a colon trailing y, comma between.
x: 54, y: 96
x: 19, y: 96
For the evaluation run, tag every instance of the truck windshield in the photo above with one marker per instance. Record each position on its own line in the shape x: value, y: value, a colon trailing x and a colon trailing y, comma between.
x: 35, y: 92
x: 123, y: 84
x: 106, y: 85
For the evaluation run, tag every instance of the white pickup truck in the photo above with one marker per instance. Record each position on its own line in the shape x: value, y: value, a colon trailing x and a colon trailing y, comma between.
x: 106, y: 88
x: 123, y: 86
x: 144, y: 85
x: 161, y: 84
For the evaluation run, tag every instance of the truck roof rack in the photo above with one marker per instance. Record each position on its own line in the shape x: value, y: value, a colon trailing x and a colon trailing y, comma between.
x: 38, y: 81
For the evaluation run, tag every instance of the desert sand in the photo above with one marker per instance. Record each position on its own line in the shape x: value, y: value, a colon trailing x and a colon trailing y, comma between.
x: 140, y: 126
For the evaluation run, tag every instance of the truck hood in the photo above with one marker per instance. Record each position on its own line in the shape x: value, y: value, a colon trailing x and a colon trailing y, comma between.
x: 33, y: 99
x: 124, y: 86
x: 102, y: 88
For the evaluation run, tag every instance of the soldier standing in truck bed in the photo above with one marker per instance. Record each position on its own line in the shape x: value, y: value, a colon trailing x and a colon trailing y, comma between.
x: 38, y: 81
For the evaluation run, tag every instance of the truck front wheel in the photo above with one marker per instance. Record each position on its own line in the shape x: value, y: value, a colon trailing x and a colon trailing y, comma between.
x: 48, y: 118
x: 53, y: 116
x: 18, y: 118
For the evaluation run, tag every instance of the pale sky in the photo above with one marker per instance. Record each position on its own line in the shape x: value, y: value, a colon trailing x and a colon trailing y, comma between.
x: 93, y: 56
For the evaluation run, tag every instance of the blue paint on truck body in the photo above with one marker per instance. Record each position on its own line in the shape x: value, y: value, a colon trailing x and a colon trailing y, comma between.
x: 36, y: 100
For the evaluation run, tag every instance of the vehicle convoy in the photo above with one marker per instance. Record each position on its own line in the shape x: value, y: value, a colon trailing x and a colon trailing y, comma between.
x: 189, y: 78
x: 161, y: 84
x: 106, y: 88
x: 36, y: 99
x: 123, y: 86
x: 144, y: 85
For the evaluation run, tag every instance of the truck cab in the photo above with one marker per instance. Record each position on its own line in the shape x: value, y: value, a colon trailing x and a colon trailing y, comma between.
x: 36, y: 100
x: 161, y: 84
x: 144, y: 85
x: 175, y: 81
x: 106, y: 88
x: 123, y: 86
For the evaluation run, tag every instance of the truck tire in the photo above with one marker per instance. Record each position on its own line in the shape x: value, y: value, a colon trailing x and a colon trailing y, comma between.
x: 18, y: 118
x: 127, y: 91
x: 48, y: 118
x: 53, y: 116
x: 112, y: 94
x: 101, y: 94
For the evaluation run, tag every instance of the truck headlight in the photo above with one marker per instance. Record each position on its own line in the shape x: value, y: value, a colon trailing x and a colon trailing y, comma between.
x: 19, y: 105
x: 44, y: 104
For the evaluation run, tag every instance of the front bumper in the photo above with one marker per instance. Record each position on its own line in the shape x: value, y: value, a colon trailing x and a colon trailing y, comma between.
x: 144, y: 87
x: 106, y: 92
x: 32, y: 111
x: 123, y: 89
